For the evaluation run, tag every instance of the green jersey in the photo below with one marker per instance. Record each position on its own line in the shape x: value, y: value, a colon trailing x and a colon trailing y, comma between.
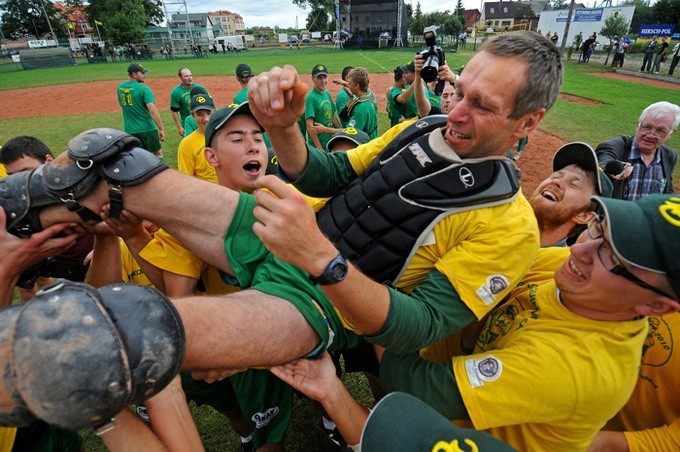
x: 241, y: 96
x: 132, y: 98
x: 395, y: 110
x: 363, y: 116
x: 321, y: 108
x: 180, y: 100
x: 341, y: 101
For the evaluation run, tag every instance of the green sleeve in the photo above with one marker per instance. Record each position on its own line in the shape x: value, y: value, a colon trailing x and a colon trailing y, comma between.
x: 433, y: 383
x: 428, y: 314
x: 325, y: 175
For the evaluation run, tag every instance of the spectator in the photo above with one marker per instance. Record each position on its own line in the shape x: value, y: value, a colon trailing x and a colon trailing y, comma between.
x: 660, y: 55
x: 648, y: 57
x: 641, y: 164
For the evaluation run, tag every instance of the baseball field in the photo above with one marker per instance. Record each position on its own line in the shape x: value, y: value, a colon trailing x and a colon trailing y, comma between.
x: 55, y: 104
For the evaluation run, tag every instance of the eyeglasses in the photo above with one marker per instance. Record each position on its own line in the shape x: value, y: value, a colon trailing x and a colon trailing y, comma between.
x: 659, y: 132
x: 606, y: 254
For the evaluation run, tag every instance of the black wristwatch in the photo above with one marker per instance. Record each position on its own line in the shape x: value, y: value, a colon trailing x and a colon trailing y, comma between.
x: 334, y: 273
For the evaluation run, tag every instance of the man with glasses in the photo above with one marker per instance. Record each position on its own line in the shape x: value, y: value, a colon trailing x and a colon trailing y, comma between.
x: 641, y: 165
x: 561, y: 356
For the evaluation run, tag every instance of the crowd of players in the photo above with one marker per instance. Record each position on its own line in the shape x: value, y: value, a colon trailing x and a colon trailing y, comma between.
x: 539, y: 347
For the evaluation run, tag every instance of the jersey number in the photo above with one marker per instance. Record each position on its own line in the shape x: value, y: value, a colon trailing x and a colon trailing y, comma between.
x: 126, y: 100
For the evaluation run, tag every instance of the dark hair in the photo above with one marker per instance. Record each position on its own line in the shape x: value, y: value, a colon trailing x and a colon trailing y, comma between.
x: 544, y: 68
x: 24, y: 146
x: 345, y: 72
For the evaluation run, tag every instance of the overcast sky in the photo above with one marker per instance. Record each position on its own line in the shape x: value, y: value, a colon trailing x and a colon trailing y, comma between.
x: 282, y: 13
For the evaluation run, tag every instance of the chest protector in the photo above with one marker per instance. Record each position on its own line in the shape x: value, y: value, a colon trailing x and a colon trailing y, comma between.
x: 380, y: 219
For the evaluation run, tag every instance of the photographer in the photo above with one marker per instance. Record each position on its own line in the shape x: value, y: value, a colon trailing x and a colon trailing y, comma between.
x: 428, y: 102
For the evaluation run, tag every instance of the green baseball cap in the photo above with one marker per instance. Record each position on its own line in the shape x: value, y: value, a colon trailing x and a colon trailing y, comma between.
x: 134, y: 67
x: 356, y: 136
x: 319, y: 69
x: 399, y: 70
x: 244, y: 71
x: 401, y: 422
x: 410, y: 67
x: 202, y: 102
x: 646, y: 233
x: 583, y: 155
x: 222, y: 116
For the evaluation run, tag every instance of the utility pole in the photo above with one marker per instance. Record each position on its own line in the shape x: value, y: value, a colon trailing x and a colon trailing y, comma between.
x: 566, y: 27
x: 54, y: 36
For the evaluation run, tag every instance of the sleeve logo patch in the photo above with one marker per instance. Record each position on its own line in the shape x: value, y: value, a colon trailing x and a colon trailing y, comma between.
x: 488, y: 369
x: 495, y: 284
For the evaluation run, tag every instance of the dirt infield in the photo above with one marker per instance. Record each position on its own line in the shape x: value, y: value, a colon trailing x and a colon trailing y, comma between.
x: 100, y: 97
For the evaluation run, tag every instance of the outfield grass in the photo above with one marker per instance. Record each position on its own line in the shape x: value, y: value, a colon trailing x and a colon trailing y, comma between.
x: 621, y: 104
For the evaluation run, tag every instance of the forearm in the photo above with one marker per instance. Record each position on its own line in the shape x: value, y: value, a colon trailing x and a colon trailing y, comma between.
x: 131, y: 435
x: 7, y: 283
x: 153, y: 273
x: 311, y: 130
x: 424, y: 316
x: 403, y: 97
x: 349, y: 416
x: 433, y: 383
x: 156, y: 117
x: 175, y: 117
x: 422, y: 102
x: 291, y: 150
x: 172, y: 421
x: 666, y: 437
x: 106, y: 264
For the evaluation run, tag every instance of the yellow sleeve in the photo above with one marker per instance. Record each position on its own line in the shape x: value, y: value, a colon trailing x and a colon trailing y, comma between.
x: 132, y: 272
x: 3, y: 171
x: 489, y: 250
x: 362, y: 156
x: 7, y: 436
x: 168, y: 253
x: 662, y: 438
x: 185, y: 161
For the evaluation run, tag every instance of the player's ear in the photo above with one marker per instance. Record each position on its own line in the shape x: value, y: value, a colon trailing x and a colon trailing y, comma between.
x: 211, y: 157
x: 528, y: 123
x: 660, y: 305
x: 583, y: 217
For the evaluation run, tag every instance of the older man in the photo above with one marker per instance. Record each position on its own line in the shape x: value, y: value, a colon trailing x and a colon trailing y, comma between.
x: 641, y: 164
x: 456, y: 270
x: 180, y: 98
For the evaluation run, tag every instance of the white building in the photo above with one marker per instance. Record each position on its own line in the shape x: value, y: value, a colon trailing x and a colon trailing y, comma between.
x: 585, y: 20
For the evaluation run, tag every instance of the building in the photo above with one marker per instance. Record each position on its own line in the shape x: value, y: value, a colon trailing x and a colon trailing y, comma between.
x: 76, y: 21
x: 226, y: 23
x: 499, y: 16
x: 196, y: 28
x: 370, y: 18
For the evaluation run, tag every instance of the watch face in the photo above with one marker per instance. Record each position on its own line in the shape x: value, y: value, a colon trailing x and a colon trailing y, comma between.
x: 339, y: 270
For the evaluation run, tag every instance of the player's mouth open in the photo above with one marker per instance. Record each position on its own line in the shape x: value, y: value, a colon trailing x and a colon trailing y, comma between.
x: 547, y: 194
x: 575, y: 269
x: 252, y: 167
x: 458, y: 136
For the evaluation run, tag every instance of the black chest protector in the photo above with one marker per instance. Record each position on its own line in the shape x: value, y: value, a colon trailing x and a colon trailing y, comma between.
x: 379, y: 220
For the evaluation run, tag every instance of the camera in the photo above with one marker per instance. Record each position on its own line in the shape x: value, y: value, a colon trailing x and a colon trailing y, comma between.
x: 433, y: 55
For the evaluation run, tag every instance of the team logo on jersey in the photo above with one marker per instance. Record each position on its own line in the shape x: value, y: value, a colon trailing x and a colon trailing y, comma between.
x: 453, y: 446
x: 487, y: 369
x: 670, y: 211
x: 421, y: 124
x: 495, y: 284
x: 262, y: 419
x: 419, y: 154
x: 466, y: 176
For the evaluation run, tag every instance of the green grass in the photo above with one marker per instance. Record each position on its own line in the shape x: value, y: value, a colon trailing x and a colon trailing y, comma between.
x: 621, y: 104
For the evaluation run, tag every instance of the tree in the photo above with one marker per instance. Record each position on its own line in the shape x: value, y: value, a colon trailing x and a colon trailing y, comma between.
x: 126, y: 26
x: 667, y: 12
x: 460, y: 10
x: 318, y: 20
x: 101, y: 10
x: 416, y: 24
x: 23, y: 18
x: 559, y: 4
x: 614, y: 27
x: 644, y: 14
